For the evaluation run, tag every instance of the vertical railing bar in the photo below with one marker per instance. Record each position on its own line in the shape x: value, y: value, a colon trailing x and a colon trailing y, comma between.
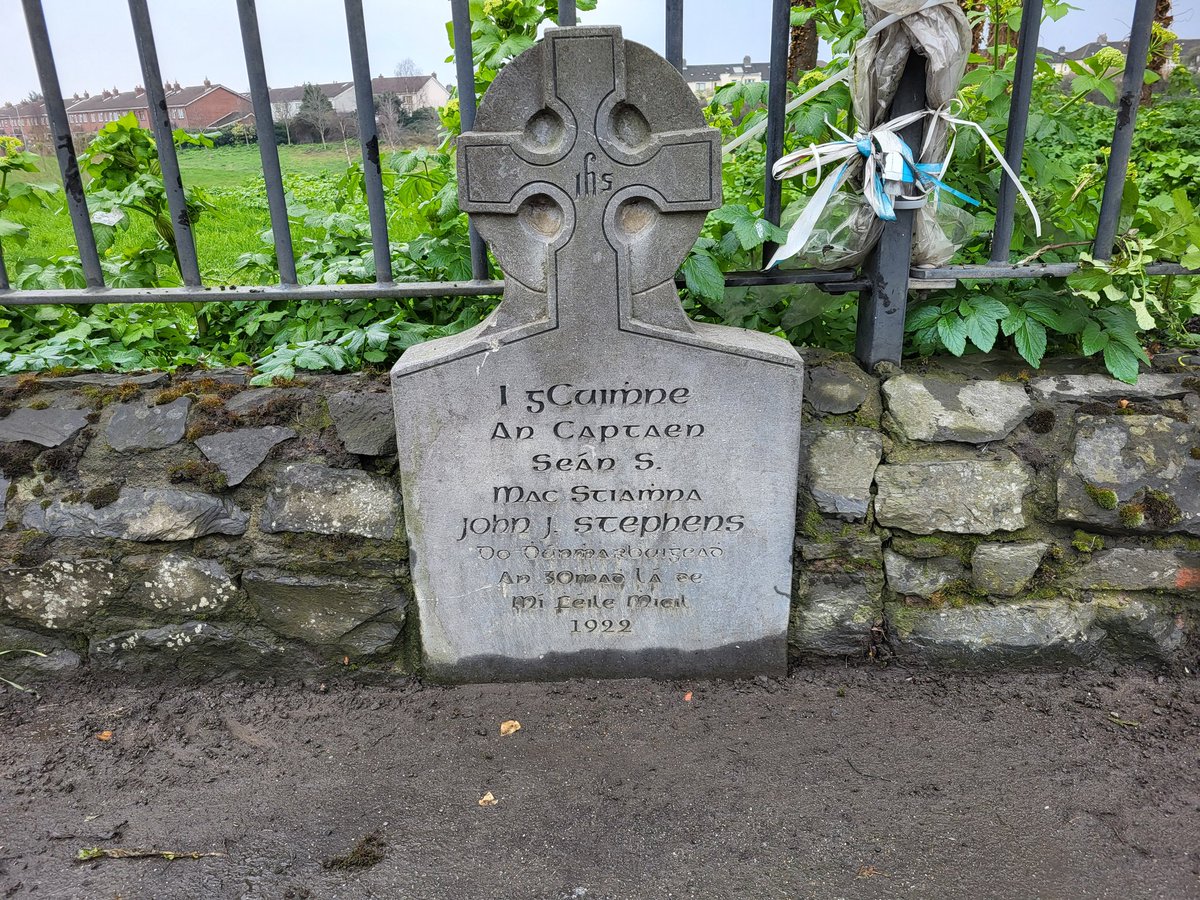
x: 1018, y: 121
x: 160, y: 123
x: 3, y: 271
x: 674, y: 52
x: 464, y: 61
x: 368, y: 137
x: 566, y: 13
x: 60, y: 129
x: 264, y: 126
x: 881, y: 308
x: 776, y: 112
x: 1122, y: 143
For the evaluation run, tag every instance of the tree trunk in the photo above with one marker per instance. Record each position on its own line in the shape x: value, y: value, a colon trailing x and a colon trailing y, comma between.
x: 1160, y: 54
x: 975, y: 10
x: 802, y: 52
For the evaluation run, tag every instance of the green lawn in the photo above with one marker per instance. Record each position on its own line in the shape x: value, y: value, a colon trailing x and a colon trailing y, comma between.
x: 233, y: 178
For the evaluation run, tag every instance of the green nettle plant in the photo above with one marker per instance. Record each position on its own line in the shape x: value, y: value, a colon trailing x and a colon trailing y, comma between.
x: 1112, y: 309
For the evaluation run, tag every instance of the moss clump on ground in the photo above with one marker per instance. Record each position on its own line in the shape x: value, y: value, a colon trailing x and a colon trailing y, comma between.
x: 17, y: 458
x: 365, y: 854
x: 103, y: 495
x: 203, y: 474
x: 1132, y: 515
x: 1102, y: 497
x: 1087, y: 543
x: 1161, y: 509
x: 1042, y: 421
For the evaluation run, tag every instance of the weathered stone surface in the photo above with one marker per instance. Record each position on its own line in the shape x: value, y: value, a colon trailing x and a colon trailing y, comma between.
x: 257, y: 401
x: 236, y: 377
x: 181, y: 585
x: 332, y: 501
x: 197, y: 650
x: 982, y: 635
x: 589, y: 172
x: 835, y: 392
x: 841, y: 469
x: 921, y: 577
x: 105, y: 380
x: 1127, y: 569
x: 971, y: 496
x: 137, y: 426
x: 977, y: 412
x: 835, y: 616
x: 141, y: 515
x: 59, y: 593
x: 4, y: 486
x: 366, y: 423
x: 238, y: 453
x: 48, y: 427
x: 350, y: 616
x: 19, y: 666
x: 1081, y: 388
x: 1003, y: 570
x: 1138, y: 627
x: 1132, y: 474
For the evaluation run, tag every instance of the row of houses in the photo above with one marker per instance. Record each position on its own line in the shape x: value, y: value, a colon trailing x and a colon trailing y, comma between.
x: 206, y: 106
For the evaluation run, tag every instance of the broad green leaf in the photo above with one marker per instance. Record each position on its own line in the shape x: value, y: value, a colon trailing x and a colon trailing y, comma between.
x: 953, y: 332
x: 1121, y: 362
x: 1030, y: 339
x: 1093, y: 339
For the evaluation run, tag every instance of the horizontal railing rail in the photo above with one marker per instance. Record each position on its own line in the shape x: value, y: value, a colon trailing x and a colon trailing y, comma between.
x: 883, y: 285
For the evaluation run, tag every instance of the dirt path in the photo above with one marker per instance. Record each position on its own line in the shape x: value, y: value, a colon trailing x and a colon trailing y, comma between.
x: 836, y: 783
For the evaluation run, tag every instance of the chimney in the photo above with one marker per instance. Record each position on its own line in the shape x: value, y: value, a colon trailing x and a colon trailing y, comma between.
x: 1102, y: 39
x: 87, y: 95
x: 207, y: 83
x: 138, y: 90
x: 745, y: 60
x: 115, y: 91
x: 75, y: 96
x: 177, y: 85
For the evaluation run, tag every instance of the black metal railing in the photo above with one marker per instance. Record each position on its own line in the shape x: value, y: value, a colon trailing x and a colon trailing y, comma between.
x: 883, y: 285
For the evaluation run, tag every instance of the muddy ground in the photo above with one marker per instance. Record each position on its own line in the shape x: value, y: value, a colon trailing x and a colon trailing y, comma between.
x: 833, y: 783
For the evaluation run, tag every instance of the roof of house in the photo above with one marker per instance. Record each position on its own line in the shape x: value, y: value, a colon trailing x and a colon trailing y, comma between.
x: 1187, y: 47
x: 717, y: 71
x: 295, y: 93
x: 112, y: 101
x: 238, y: 115
x: 400, y: 84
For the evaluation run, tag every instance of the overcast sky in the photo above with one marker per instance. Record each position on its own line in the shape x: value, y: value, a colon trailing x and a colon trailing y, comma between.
x: 304, y: 40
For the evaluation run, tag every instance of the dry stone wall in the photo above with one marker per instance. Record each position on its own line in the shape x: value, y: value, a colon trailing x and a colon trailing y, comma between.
x: 966, y: 513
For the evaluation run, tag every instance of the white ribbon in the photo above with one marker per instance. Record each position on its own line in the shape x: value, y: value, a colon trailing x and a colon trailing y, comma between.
x: 885, y: 156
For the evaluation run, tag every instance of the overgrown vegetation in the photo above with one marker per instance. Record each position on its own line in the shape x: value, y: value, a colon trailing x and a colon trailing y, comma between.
x: 1110, y: 309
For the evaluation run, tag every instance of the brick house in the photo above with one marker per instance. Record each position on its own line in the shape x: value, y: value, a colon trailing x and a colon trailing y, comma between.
x: 191, y: 107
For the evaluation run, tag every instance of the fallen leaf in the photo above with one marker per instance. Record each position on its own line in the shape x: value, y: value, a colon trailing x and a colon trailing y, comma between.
x: 89, y: 853
x: 509, y: 727
x: 687, y: 698
x: 345, y: 660
x: 488, y: 800
x: 868, y: 872
x: 1124, y: 404
x: 104, y: 736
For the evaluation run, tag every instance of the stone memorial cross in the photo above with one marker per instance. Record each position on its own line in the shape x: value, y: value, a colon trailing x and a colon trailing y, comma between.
x: 594, y: 484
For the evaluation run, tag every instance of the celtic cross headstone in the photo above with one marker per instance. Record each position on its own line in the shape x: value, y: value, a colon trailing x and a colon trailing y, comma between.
x: 594, y: 484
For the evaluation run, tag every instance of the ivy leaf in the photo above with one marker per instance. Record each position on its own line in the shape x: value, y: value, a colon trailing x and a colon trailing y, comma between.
x: 703, y: 276
x: 1094, y: 340
x: 982, y: 329
x: 1030, y: 339
x: 923, y: 318
x: 1121, y: 362
x: 952, y: 330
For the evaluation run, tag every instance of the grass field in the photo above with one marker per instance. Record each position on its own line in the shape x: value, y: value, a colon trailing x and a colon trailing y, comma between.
x: 232, y: 176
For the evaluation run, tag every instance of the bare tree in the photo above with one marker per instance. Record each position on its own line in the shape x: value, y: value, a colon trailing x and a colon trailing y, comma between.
x: 406, y: 67
x: 283, y: 115
x: 802, y: 54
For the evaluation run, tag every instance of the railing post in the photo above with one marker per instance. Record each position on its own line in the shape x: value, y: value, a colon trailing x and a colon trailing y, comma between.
x: 464, y: 61
x: 368, y: 139
x: 164, y: 139
x: 1122, y: 144
x: 64, y: 149
x: 674, y: 41
x: 566, y: 13
x: 1018, y: 121
x: 776, y: 103
x: 881, y: 307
